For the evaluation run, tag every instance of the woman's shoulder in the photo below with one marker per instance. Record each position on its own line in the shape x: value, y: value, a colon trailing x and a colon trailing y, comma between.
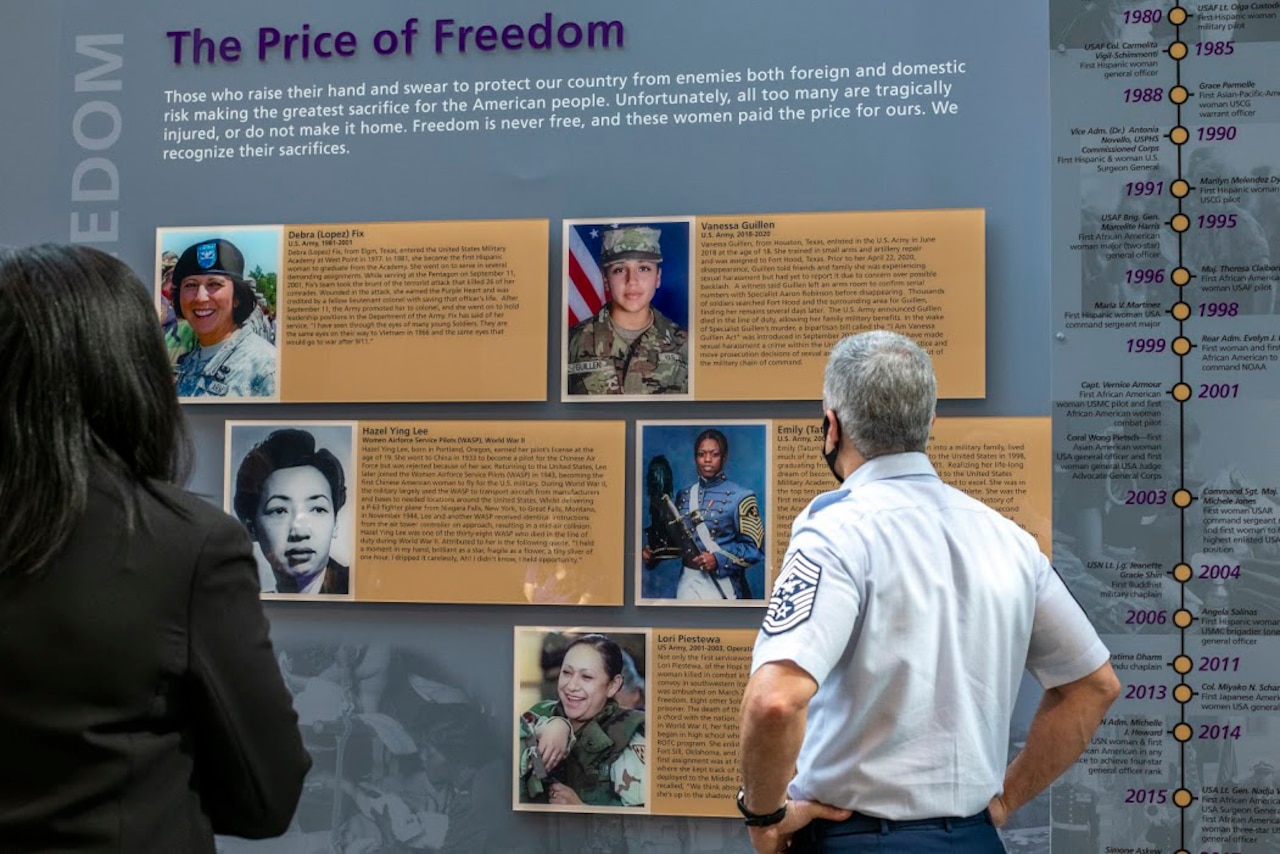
x: 619, y: 720
x: 337, y: 579
x: 187, y: 512
x: 252, y: 346
x: 157, y: 525
x: 582, y: 335
x: 666, y: 328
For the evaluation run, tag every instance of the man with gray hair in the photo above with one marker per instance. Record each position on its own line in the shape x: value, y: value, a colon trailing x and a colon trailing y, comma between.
x: 890, y: 656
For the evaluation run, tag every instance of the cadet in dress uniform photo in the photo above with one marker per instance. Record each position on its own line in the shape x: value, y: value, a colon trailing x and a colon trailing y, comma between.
x: 712, y: 527
x: 628, y: 346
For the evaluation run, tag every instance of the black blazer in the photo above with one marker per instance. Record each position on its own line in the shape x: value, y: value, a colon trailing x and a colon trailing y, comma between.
x: 141, y: 705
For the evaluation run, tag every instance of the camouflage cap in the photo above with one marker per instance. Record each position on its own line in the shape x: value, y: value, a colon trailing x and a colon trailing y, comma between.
x: 633, y: 241
x: 168, y: 261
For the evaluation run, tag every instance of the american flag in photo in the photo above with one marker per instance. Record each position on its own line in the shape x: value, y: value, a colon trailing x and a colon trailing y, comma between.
x: 793, y: 595
x: 585, y: 281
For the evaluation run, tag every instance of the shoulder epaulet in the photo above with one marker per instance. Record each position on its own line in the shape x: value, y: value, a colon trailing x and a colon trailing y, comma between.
x: 826, y: 499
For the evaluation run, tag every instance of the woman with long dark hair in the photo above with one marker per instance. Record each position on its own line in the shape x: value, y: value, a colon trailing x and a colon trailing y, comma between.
x: 141, y: 708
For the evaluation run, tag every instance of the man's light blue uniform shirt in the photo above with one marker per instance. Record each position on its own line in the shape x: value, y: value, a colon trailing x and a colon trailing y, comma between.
x: 916, y: 609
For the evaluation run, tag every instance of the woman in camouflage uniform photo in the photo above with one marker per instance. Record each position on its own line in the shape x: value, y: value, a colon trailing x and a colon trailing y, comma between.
x: 583, y: 748
x: 629, y: 346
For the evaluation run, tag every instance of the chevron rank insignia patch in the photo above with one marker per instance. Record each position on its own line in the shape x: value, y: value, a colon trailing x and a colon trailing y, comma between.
x: 793, y: 595
x: 749, y: 520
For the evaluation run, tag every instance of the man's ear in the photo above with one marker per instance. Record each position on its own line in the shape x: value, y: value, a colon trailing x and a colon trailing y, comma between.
x: 830, y: 428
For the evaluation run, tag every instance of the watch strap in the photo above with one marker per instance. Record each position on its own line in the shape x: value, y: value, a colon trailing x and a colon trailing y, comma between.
x: 753, y: 819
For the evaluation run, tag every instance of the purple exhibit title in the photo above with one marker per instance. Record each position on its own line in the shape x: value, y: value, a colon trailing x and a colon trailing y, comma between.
x: 197, y: 47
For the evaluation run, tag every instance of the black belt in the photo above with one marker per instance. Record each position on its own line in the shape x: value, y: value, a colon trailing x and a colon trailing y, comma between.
x: 859, y: 823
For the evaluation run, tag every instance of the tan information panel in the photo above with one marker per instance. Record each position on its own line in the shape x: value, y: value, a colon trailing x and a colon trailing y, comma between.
x: 414, y: 311
x: 775, y: 291
x: 491, y: 512
x: 698, y: 676
x: 1004, y: 462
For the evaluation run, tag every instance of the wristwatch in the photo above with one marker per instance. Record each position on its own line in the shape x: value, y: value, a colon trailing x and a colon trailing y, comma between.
x: 759, y: 819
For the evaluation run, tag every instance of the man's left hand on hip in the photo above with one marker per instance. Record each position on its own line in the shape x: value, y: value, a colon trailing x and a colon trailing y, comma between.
x: 777, y: 837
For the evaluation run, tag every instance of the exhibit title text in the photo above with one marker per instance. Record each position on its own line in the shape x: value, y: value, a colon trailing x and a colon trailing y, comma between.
x: 198, y: 47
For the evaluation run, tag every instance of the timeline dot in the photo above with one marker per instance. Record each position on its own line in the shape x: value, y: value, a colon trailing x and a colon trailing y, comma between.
x: 1180, y: 222
x: 1179, y: 135
x: 1182, y: 498
x: 1182, y: 664
x: 1178, y: 50
x: 1182, y: 392
x: 1180, y: 188
x: 1183, y: 693
x: 1182, y: 618
x: 1181, y: 346
x: 1180, y: 276
x: 1180, y: 311
x: 1182, y: 732
x: 1183, y: 798
x: 1178, y: 94
x: 1183, y: 572
x: 1177, y: 16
